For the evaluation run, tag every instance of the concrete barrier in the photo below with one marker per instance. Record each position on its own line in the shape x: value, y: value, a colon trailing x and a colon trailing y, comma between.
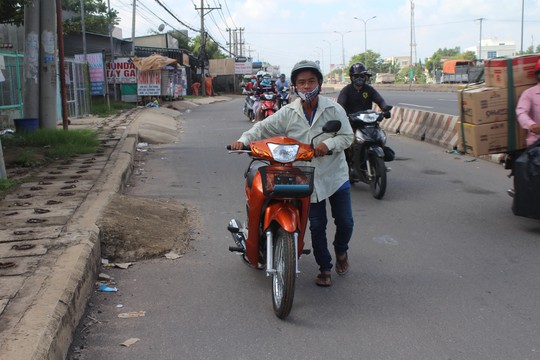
x: 434, y: 128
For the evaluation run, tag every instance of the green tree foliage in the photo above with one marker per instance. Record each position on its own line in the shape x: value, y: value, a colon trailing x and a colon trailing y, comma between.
x: 12, y: 11
x: 96, y: 16
x: 530, y: 50
x: 183, y: 39
x: 212, y: 49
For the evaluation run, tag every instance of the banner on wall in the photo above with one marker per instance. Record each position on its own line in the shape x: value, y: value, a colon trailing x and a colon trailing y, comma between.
x: 97, y: 73
x: 149, y: 83
x: 122, y: 71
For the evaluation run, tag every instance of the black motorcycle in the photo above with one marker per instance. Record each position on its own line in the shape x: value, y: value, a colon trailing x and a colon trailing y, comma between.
x: 368, y: 153
x: 248, y: 106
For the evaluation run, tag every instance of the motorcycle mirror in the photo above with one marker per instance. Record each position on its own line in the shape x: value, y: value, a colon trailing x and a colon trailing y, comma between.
x: 332, y: 126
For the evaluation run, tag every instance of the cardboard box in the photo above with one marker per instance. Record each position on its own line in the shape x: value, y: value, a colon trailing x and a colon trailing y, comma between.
x: 482, y: 105
x: 487, y: 139
x: 496, y: 71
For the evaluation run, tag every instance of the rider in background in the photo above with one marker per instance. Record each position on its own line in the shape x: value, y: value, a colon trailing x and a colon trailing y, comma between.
x: 360, y: 96
x: 257, y: 90
x: 528, y: 109
x: 264, y: 86
x: 281, y: 84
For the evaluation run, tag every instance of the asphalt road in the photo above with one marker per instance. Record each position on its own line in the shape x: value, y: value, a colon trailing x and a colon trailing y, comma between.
x: 441, y: 269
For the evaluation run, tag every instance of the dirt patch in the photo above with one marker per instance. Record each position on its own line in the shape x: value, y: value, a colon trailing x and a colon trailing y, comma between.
x: 138, y: 228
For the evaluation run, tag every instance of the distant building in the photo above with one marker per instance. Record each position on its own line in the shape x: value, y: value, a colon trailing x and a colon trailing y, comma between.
x: 492, y: 48
x: 401, y: 61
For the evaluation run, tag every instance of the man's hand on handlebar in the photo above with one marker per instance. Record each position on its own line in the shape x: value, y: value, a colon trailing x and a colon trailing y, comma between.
x: 237, y: 145
x: 321, y: 149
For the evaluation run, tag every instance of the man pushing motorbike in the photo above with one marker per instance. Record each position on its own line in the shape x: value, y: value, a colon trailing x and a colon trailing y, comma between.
x: 360, y: 96
x: 303, y: 120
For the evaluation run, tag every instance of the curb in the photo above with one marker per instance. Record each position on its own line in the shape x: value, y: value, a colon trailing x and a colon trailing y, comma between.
x: 45, y: 330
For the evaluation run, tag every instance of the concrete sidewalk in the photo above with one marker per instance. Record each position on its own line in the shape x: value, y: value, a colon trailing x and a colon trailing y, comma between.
x: 49, y: 242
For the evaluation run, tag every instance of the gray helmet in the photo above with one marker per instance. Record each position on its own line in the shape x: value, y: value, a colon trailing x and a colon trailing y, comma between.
x: 306, y: 65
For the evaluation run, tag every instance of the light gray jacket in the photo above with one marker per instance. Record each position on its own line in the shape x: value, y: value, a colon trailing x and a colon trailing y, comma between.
x: 331, y: 171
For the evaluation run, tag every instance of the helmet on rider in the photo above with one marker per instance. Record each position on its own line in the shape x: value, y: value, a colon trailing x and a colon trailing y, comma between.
x: 310, y: 66
x: 358, y: 74
x: 306, y: 65
x: 260, y: 74
x: 537, y: 67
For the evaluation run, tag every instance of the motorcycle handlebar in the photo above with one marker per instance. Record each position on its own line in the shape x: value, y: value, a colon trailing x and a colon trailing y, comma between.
x: 330, y: 152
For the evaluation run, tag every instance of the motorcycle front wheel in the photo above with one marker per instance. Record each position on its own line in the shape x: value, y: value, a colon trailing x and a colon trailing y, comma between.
x: 377, y: 183
x: 284, y: 277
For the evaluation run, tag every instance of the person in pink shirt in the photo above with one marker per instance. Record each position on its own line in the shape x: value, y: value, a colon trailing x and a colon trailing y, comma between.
x: 528, y: 109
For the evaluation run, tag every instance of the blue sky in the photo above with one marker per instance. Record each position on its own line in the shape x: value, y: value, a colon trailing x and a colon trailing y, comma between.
x: 284, y: 32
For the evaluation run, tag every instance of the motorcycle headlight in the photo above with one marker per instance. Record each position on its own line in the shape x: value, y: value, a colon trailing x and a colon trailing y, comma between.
x: 283, y: 153
x: 368, y: 118
x: 359, y: 136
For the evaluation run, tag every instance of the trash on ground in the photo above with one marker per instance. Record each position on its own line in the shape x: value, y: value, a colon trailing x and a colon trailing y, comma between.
x: 105, y: 288
x: 455, y: 152
x: 122, y: 265
x: 172, y: 256
x: 103, y: 276
x: 118, y: 265
x: 133, y: 314
x: 471, y: 160
x: 130, y: 342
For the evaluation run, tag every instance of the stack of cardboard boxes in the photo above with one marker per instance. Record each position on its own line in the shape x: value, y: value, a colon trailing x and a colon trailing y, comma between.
x: 485, y: 110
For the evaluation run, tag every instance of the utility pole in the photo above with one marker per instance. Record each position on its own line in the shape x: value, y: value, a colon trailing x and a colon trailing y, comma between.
x: 112, y: 51
x: 133, y: 28
x: 31, y: 60
x: 61, y: 64
x: 47, y: 110
x: 202, y: 52
x: 480, y: 43
x: 241, y: 42
x: 83, y: 29
x: 522, y: 18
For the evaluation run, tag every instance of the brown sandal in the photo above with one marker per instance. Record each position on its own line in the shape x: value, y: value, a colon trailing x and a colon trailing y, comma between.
x: 342, y: 265
x: 324, y: 279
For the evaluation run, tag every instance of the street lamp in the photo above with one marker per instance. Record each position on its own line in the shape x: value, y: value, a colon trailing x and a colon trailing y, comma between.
x: 322, y: 58
x: 330, y: 56
x: 365, y: 30
x: 342, y: 33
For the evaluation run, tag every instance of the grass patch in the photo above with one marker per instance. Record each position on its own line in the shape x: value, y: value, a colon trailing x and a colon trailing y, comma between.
x: 100, y: 107
x: 28, y: 149
x: 6, y: 184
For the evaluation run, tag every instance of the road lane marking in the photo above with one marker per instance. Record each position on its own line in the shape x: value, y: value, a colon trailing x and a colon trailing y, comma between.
x: 420, y: 106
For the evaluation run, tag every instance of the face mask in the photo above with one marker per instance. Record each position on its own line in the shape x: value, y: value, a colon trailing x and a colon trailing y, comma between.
x: 359, y: 81
x: 309, y: 96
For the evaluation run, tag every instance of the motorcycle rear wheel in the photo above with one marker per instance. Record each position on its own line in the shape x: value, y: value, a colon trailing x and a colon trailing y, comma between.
x: 284, y: 277
x: 377, y: 184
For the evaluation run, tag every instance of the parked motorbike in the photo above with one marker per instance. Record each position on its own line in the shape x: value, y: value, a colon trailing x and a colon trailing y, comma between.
x: 268, y: 104
x: 284, y: 97
x: 368, y: 153
x: 248, y: 106
x: 277, y: 202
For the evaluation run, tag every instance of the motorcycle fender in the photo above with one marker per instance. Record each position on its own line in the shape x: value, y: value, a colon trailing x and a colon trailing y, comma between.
x: 377, y: 150
x: 286, y: 215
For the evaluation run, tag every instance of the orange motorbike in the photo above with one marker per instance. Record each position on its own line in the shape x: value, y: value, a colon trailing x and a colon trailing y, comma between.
x: 277, y: 202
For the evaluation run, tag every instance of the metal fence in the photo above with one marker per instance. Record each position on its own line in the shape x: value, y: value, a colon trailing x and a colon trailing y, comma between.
x: 11, y: 70
x: 77, y: 88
